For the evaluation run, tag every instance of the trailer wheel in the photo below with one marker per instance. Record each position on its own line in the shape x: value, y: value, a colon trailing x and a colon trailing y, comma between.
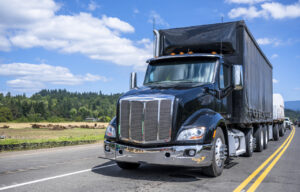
x: 259, y: 136
x: 266, y: 137
x: 281, y: 130
x: 126, y: 165
x: 217, y: 165
x: 249, y: 144
x: 275, y: 132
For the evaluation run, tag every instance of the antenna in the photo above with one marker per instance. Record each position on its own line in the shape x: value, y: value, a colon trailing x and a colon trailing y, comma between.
x: 153, y: 26
x: 221, y: 46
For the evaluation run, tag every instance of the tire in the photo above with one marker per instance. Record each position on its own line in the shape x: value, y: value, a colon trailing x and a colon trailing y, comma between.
x: 249, y: 144
x: 259, y: 136
x: 281, y: 130
x: 216, y: 168
x: 266, y: 137
x: 275, y: 132
x: 126, y: 165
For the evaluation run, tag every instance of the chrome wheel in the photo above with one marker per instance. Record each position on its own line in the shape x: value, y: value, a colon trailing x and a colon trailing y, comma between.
x: 218, y: 152
x: 262, y: 138
x: 251, y: 143
x: 266, y: 137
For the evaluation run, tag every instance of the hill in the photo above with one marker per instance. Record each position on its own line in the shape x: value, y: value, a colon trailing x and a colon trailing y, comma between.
x: 293, y: 115
x: 293, y: 105
x: 57, y: 105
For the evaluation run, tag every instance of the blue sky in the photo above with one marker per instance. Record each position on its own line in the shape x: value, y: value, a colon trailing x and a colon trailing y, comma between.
x: 94, y: 45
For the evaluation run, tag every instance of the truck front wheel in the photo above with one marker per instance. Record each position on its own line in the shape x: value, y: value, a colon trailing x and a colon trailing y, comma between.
x: 126, y: 165
x: 259, y: 137
x: 217, y: 165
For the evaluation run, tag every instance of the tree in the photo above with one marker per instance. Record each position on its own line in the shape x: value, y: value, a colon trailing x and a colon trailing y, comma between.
x: 73, y: 113
x: 5, y: 114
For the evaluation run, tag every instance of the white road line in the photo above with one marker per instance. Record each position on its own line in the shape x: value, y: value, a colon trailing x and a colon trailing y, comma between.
x: 54, y: 177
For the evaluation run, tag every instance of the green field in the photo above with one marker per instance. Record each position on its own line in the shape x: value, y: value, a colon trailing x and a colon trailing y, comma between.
x: 46, y: 137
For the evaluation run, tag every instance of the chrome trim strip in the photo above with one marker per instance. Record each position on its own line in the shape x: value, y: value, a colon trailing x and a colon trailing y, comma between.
x: 129, y: 127
x: 158, y: 120
x: 143, y: 122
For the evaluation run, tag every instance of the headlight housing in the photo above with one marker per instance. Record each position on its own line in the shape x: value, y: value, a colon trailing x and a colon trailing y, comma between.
x: 110, y: 131
x: 195, y: 133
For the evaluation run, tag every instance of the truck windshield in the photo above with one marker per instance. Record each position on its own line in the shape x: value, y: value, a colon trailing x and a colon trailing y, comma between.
x: 181, y: 71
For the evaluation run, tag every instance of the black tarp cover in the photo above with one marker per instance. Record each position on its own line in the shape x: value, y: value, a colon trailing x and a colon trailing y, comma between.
x: 201, y: 39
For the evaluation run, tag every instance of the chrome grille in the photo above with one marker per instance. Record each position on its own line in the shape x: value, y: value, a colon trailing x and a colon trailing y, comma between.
x: 146, y: 119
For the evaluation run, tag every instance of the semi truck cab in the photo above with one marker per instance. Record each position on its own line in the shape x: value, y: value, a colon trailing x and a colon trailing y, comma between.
x: 174, y: 118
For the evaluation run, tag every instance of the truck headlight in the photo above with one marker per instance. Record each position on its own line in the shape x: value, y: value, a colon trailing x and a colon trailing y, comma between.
x: 110, y: 132
x: 191, y: 134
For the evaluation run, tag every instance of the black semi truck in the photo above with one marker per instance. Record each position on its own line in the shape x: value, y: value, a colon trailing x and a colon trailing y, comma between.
x: 207, y: 96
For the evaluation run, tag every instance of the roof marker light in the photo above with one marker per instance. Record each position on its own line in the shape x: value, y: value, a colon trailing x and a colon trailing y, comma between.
x: 213, y: 52
x: 181, y: 53
x: 172, y: 54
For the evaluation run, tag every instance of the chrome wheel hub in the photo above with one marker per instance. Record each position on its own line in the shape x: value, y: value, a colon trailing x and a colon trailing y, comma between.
x: 251, y: 143
x: 266, y: 138
x: 262, y: 138
x: 219, y: 152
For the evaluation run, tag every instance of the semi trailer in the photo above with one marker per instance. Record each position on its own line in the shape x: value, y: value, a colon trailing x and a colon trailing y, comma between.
x: 278, y: 115
x: 207, y: 96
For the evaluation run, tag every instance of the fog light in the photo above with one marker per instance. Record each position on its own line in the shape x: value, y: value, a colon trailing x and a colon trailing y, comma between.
x: 107, y: 148
x: 192, y: 152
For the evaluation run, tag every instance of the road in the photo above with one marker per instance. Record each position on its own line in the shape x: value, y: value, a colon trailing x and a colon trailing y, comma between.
x: 84, y: 168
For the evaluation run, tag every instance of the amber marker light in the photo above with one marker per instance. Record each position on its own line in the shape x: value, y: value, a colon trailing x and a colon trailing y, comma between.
x: 172, y: 54
x: 181, y: 53
x: 213, y: 52
x: 190, y: 52
x: 214, y: 135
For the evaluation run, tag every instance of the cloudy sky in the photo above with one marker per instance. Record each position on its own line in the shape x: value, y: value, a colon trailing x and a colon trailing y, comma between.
x: 94, y: 45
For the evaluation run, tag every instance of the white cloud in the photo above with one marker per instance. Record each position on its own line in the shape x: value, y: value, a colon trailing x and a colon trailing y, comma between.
x: 268, y: 41
x: 280, y: 11
x: 250, y: 12
x: 93, y: 6
x: 275, y: 81
x: 4, y: 44
x: 267, y: 10
x: 245, y: 1
x: 157, y: 19
x: 36, y: 76
x: 19, y: 13
x: 34, y: 23
x: 24, y: 85
x: 274, y: 56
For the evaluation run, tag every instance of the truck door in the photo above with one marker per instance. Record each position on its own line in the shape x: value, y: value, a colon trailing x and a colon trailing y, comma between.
x: 225, y: 95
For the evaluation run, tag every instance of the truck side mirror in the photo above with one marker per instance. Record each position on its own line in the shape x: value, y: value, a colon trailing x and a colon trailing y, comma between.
x: 237, y: 76
x: 132, y: 82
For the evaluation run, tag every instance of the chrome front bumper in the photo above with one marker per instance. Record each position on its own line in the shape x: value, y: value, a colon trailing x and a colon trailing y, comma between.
x: 174, y: 155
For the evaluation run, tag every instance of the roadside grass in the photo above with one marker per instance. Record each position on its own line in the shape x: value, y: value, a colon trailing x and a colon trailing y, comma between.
x: 28, y: 125
x: 29, y: 138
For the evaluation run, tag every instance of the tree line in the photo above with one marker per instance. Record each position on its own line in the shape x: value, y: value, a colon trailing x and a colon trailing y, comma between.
x: 57, y: 105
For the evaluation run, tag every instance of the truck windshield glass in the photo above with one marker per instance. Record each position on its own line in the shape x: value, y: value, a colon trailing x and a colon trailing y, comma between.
x: 192, y: 71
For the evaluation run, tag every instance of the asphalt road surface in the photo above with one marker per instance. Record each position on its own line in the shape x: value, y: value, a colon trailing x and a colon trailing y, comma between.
x: 84, y: 168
